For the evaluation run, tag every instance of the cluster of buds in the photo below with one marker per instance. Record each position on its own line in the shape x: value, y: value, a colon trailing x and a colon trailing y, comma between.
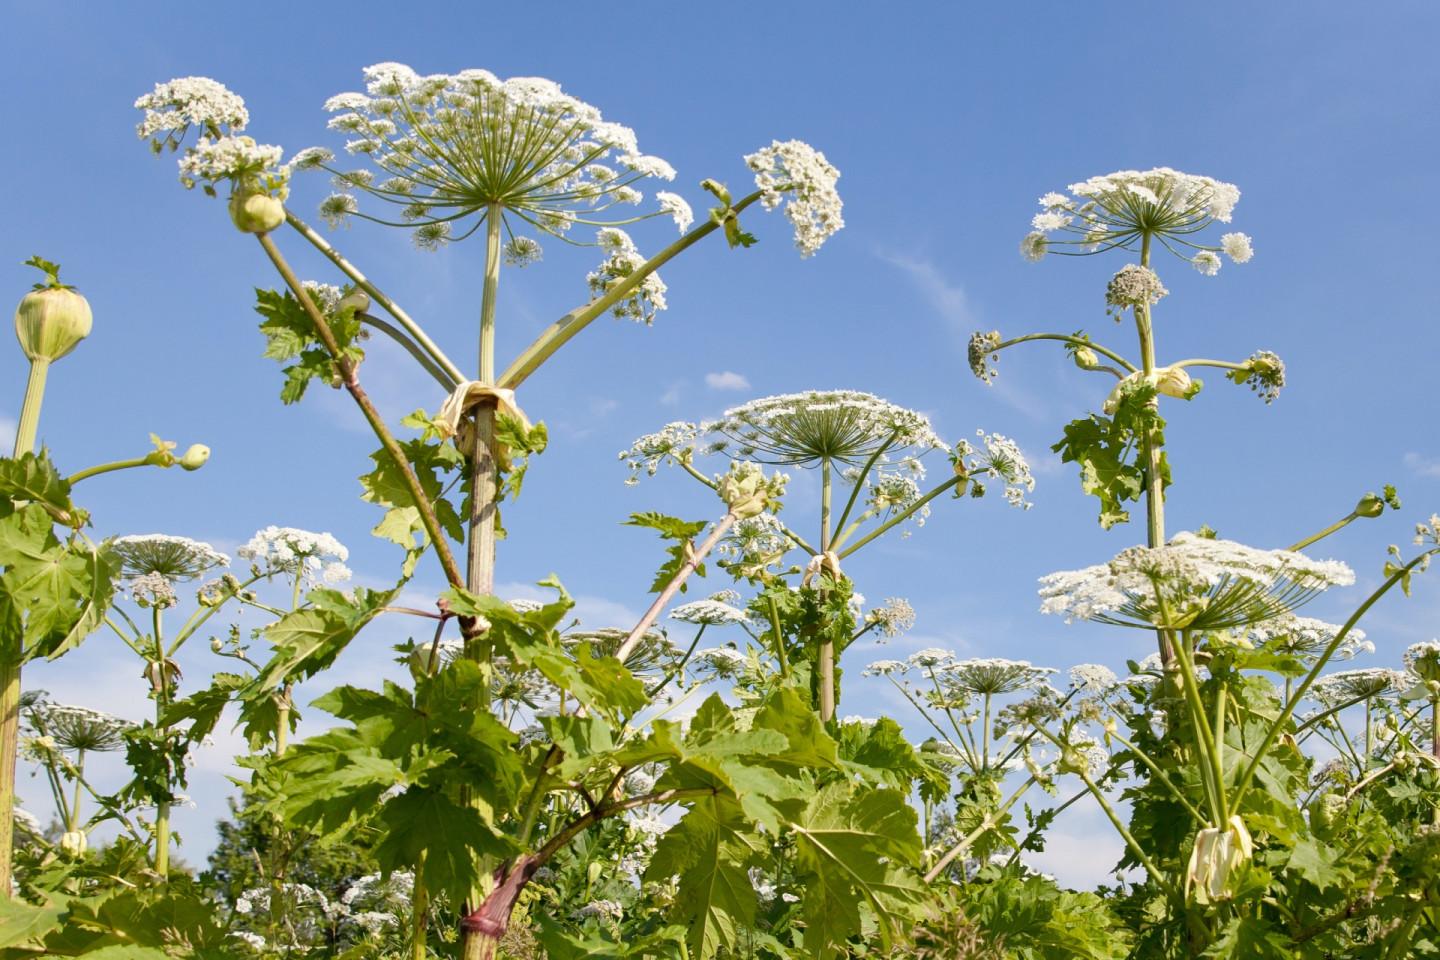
x: 748, y: 492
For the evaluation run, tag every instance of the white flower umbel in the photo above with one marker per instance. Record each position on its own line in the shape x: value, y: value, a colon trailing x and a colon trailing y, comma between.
x: 798, y: 174
x: 1092, y: 678
x: 673, y: 443
x: 719, y: 661
x: 1130, y: 208
x: 892, y: 618
x: 316, y: 557
x: 453, y: 150
x: 175, y: 558
x: 1192, y: 581
x: 675, y: 205
x: 998, y: 457
x: 710, y: 612
x: 172, y: 108
x: 1423, y: 660
x: 1349, y: 686
x: 846, y: 426
x: 1307, y: 637
x: 622, y: 260
x: 991, y: 675
x: 79, y: 728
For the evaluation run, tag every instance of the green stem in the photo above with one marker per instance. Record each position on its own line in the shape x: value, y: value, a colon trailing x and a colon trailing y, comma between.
x: 12, y: 651
x: 780, y: 640
x: 1204, y: 736
x: 1135, y: 848
x: 1275, y: 728
x: 29, y: 425
x: 110, y: 467
x: 1078, y: 341
x: 899, y: 518
x: 859, y: 483
x: 73, y: 814
x: 372, y: 415
x: 561, y: 331
x: 162, y: 702
x: 1337, y: 525
x: 411, y: 347
x: 419, y: 909
x: 390, y: 306
x: 986, y: 824
x: 1160, y: 775
x: 826, y: 652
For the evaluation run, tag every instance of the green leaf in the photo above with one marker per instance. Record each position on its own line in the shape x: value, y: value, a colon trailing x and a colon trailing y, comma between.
x: 32, y: 478
x: 52, y: 594
x: 432, y: 463
x: 680, y: 533
x: 849, y: 845
x: 24, y: 925
x: 309, y: 639
x: 290, y: 335
x: 710, y: 849
x: 1247, y: 938
x: 452, y: 839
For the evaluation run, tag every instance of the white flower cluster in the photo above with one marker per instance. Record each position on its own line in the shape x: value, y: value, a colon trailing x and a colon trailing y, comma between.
x: 800, y: 174
x: 1335, y: 689
x: 1133, y: 286
x: 755, y: 541
x: 449, y: 146
x: 674, y: 442
x: 719, y: 661
x: 895, y: 492
x: 173, y: 107
x: 318, y: 557
x: 153, y: 590
x: 1119, y: 209
x: 1202, y: 582
x: 326, y: 296
x: 983, y: 354
x: 236, y: 159
x: 1423, y: 660
x: 674, y: 206
x: 1002, y: 459
x: 893, y: 617
x: 621, y: 261
x: 175, y: 558
x: 711, y: 612
x: 1092, y: 678
x: 844, y: 425
x: 1306, y: 636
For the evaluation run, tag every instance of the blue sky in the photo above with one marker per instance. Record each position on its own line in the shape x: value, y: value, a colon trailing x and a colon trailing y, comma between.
x: 947, y: 121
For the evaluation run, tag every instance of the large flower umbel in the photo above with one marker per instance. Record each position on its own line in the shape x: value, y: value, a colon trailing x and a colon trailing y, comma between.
x: 174, y: 558
x: 451, y: 150
x: 1128, y: 208
x: 846, y: 426
x: 1192, y: 582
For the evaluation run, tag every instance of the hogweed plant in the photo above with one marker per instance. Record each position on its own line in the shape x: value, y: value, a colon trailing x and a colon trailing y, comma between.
x: 687, y: 786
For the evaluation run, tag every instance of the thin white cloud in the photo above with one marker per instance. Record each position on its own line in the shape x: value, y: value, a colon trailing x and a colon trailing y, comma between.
x: 7, y: 434
x: 948, y: 299
x: 671, y: 396
x: 1424, y: 466
x: 727, y: 380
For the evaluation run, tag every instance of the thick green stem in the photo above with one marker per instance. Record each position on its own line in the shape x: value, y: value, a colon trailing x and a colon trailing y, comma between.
x: 899, y: 518
x: 827, y: 639
x: 780, y: 641
x: 988, y: 823
x: 73, y: 814
x: 110, y: 467
x: 29, y: 425
x: 162, y: 704
x: 12, y: 652
x: 480, y: 568
x: 1337, y: 525
x: 419, y: 911
x: 555, y: 336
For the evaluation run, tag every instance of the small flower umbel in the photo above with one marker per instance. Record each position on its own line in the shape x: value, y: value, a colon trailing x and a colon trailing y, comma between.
x: 258, y: 181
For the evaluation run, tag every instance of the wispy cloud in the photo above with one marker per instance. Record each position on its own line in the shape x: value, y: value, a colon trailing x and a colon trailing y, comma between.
x: 7, y: 433
x: 1424, y: 466
x: 671, y: 396
x: 948, y: 299
x: 727, y: 380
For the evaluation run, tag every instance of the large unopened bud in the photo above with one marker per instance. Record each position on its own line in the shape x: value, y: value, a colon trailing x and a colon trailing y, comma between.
x: 74, y: 842
x: 255, y: 211
x: 52, y: 318
x: 1175, y: 382
x: 1218, y: 855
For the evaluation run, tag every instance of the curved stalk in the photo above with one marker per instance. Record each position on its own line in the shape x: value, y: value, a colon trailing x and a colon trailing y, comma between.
x: 1334, y: 527
x: 899, y: 518
x: 1063, y: 338
x: 561, y: 331
x: 379, y: 297
x: 447, y: 383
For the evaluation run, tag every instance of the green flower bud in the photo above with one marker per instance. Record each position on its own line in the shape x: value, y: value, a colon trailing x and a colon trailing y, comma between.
x: 195, y: 457
x: 358, y: 299
x: 52, y: 318
x: 1370, y: 506
x: 255, y: 211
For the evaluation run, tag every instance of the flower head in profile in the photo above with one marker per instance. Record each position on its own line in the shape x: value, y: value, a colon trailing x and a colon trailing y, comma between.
x: 804, y: 429
x: 1352, y: 686
x: 1130, y: 207
x: 654, y: 653
x: 799, y: 175
x: 1306, y: 637
x: 1093, y: 678
x: 1193, y: 581
x: 1423, y: 660
x: 991, y: 676
x: 78, y: 728
x: 1264, y: 372
x: 449, y: 152
x: 174, y: 558
x: 709, y: 612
